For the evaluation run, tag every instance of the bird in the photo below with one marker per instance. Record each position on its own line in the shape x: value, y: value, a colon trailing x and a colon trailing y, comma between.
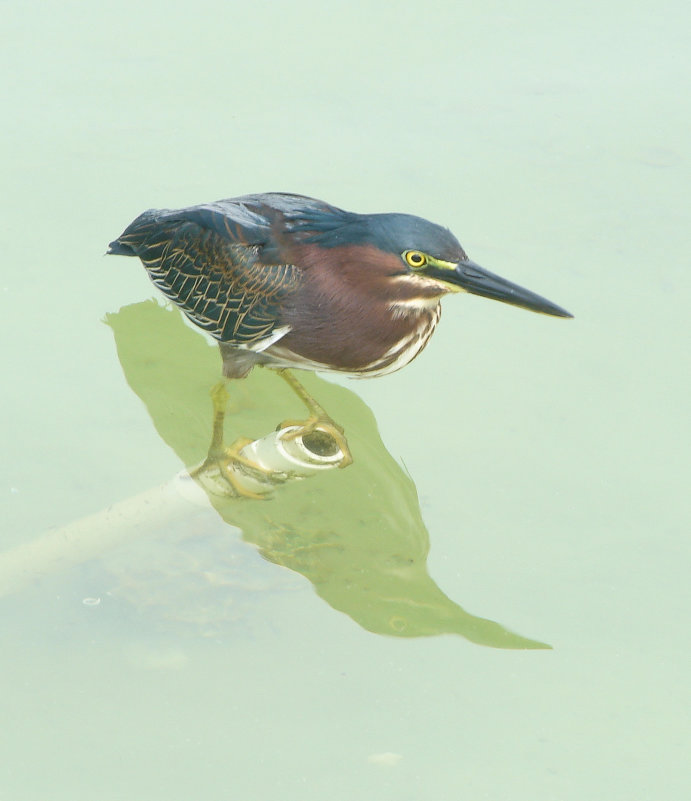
x: 288, y: 281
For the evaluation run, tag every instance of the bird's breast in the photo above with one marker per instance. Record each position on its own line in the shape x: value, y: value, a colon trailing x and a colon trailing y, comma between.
x: 362, y: 351
x: 422, y: 322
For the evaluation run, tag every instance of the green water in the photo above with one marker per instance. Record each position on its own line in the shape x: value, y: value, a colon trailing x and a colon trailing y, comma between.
x: 530, y: 486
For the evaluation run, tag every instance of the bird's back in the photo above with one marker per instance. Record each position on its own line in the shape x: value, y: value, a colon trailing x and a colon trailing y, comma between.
x: 218, y: 263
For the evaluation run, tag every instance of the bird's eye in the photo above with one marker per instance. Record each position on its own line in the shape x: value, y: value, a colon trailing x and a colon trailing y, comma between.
x: 415, y: 259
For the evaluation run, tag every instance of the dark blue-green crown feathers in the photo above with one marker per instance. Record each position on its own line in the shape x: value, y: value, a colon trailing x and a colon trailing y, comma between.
x: 393, y: 233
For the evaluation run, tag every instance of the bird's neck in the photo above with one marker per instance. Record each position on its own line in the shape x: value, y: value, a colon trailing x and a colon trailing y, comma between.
x: 412, y: 296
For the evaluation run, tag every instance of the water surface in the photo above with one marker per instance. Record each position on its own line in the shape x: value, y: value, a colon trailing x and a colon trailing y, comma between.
x: 546, y: 459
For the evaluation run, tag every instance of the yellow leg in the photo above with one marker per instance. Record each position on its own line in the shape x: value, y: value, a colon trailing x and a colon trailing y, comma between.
x: 318, y: 421
x: 221, y: 457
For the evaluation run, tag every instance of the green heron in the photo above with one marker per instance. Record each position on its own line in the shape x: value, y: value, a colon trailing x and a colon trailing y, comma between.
x: 285, y: 281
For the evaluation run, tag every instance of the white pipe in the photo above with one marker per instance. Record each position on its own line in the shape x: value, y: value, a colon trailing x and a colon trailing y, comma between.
x: 281, y: 459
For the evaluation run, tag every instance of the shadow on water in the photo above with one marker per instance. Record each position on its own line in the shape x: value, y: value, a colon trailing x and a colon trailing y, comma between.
x: 357, y: 534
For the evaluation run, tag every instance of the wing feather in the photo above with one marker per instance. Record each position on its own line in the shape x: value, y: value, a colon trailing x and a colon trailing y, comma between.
x: 205, y: 261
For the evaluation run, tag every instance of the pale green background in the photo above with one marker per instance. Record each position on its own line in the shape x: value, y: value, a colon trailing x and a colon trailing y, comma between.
x: 551, y: 456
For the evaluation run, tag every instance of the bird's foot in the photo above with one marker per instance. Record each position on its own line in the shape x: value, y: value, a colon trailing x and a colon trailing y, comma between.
x: 319, y: 432
x: 320, y: 435
x: 234, y: 469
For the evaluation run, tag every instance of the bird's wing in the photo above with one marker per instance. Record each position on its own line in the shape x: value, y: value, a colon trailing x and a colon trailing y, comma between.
x: 210, y: 260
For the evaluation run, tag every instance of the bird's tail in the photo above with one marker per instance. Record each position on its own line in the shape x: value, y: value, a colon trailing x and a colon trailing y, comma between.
x: 118, y: 248
x: 127, y: 244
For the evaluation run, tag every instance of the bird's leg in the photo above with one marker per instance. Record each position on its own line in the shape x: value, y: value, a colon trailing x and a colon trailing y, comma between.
x: 220, y: 457
x: 318, y: 421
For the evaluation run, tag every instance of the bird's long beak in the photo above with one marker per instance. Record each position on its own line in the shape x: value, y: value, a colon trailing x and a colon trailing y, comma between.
x: 478, y: 281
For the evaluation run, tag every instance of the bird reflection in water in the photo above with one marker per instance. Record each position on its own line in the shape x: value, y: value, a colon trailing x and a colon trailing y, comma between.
x: 356, y: 534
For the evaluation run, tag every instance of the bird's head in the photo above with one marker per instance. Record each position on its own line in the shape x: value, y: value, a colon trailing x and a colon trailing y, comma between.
x: 432, y: 254
x: 419, y: 252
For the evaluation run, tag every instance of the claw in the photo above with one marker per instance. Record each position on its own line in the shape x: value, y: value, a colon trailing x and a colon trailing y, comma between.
x: 220, y: 458
x: 224, y: 459
x: 322, y: 427
x: 320, y: 434
x: 318, y: 421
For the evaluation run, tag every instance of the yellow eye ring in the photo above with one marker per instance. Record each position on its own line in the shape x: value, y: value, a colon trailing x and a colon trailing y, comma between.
x: 415, y: 259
